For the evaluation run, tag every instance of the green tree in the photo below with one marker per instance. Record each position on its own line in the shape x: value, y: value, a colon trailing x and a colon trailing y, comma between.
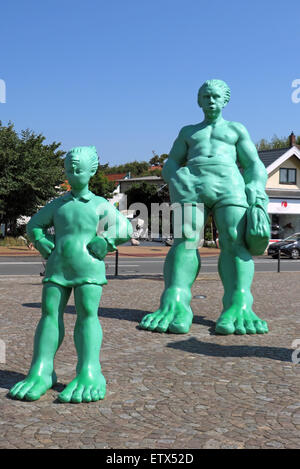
x: 154, y: 161
x: 135, y: 168
x: 30, y: 173
x: 275, y: 143
x: 147, y: 194
x: 100, y: 185
x: 143, y: 192
x: 157, y: 160
x: 163, y: 158
x: 154, y: 172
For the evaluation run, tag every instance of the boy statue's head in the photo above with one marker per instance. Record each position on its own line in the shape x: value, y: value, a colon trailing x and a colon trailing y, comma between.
x: 213, y: 96
x: 81, y: 163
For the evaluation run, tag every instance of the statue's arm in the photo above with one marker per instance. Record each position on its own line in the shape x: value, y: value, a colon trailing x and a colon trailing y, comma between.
x: 113, y: 229
x: 118, y: 229
x: 177, y: 156
x: 37, y: 229
x: 254, y: 171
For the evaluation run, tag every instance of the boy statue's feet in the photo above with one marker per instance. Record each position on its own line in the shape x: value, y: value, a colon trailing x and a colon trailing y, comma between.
x: 238, y: 321
x: 174, y: 315
x: 86, y: 387
x: 33, y: 386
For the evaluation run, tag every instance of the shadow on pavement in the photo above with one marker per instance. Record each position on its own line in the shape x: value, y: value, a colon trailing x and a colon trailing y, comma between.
x: 127, y: 314
x: 194, y: 345
x: 114, y: 313
x: 9, y: 378
x: 205, y: 322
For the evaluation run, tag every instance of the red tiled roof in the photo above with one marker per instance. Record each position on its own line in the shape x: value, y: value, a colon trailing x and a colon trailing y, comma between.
x: 65, y: 185
x: 115, y: 177
x: 152, y: 168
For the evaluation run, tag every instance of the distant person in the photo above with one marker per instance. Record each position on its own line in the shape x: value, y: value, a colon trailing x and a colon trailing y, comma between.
x: 288, y: 230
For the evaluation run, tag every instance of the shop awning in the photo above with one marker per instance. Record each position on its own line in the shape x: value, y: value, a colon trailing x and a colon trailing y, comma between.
x: 284, y: 206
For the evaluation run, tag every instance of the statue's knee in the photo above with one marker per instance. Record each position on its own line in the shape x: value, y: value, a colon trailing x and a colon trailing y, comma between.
x: 50, y: 310
x: 228, y: 239
x: 87, y: 310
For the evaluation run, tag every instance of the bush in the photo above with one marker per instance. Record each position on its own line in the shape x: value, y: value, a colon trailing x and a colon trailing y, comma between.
x: 11, y: 241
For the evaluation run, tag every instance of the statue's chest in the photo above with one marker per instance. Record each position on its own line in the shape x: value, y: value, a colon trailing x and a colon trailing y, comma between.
x: 212, y: 135
x: 76, y: 214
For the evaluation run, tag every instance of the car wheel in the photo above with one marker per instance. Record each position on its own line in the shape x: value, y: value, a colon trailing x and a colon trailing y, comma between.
x: 294, y: 254
x: 275, y: 256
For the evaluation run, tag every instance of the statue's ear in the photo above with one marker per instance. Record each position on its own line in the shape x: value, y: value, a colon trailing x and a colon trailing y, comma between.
x: 225, y: 101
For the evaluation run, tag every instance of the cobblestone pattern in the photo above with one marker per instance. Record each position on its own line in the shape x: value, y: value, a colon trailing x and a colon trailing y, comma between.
x: 164, y: 391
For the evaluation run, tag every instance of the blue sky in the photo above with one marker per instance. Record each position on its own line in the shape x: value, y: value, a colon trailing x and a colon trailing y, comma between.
x: 124, y: 74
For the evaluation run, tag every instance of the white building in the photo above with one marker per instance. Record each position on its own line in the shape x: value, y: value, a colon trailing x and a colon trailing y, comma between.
x: 283, y: 187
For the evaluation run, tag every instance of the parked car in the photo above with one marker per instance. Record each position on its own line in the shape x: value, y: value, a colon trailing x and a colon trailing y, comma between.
x: 289, y: 247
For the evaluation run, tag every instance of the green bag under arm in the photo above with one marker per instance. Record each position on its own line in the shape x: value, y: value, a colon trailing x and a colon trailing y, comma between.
x: 257, y: 229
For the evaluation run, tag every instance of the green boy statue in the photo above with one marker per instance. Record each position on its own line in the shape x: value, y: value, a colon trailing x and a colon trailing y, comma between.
x: 75, y: 260
x: 202, y: 168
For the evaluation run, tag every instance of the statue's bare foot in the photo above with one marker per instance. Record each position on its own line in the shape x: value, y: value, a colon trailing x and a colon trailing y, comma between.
x: 236, y: 320
x: 33, y: 386
x: 86, y: 387
x: 174, y: 315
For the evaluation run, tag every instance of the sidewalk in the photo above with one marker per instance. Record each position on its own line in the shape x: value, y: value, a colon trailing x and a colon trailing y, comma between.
x: 197, y: 390
x: 124, y: 251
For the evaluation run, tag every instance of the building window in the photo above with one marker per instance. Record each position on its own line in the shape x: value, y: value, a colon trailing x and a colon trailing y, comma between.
x: 287, y: 176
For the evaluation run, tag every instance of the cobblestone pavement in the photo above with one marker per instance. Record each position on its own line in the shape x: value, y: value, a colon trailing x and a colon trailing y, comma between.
x: 196, y: 390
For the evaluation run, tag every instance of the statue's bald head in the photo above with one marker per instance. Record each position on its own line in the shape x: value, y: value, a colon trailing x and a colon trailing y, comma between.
x: 220, y: 85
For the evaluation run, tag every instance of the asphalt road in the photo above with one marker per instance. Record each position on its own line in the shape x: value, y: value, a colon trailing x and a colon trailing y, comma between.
x: 140, y: 265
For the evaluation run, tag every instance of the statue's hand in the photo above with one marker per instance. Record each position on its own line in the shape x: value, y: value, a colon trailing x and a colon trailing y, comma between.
x: 256, y: 195
x: 45, y: 247
x: 98, y: 247
x: 251, y: 192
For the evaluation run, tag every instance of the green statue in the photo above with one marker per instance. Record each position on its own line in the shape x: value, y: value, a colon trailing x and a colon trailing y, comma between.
x: 74, y: 260
x: 203, y: 168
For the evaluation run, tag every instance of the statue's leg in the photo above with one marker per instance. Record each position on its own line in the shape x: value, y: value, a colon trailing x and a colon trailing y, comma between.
x: 48, y: 337
x: 181, y: 268
x: 89, y: 384
x: 236, y: 269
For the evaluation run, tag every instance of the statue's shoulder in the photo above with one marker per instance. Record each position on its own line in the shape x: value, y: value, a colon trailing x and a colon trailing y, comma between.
x: 239, y: 128
x: 188, y: 130
x: 100, y: 203
x: 54, y: 202
x: 100, y: 200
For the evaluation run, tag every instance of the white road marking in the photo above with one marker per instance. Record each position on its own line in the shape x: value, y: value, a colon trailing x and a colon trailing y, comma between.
x: 21, y: 263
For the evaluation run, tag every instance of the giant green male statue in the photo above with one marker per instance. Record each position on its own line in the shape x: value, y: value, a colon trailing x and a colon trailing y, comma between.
x: 74, y: 260
x: 203, y: 168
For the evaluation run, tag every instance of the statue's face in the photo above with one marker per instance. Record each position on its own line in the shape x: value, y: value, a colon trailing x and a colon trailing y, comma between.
x: 78, y: 171
x: 212, y: 99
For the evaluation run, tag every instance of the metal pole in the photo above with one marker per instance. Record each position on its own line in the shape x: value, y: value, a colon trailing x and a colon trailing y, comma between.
x: 278, y: 265
x: 117, y: 263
